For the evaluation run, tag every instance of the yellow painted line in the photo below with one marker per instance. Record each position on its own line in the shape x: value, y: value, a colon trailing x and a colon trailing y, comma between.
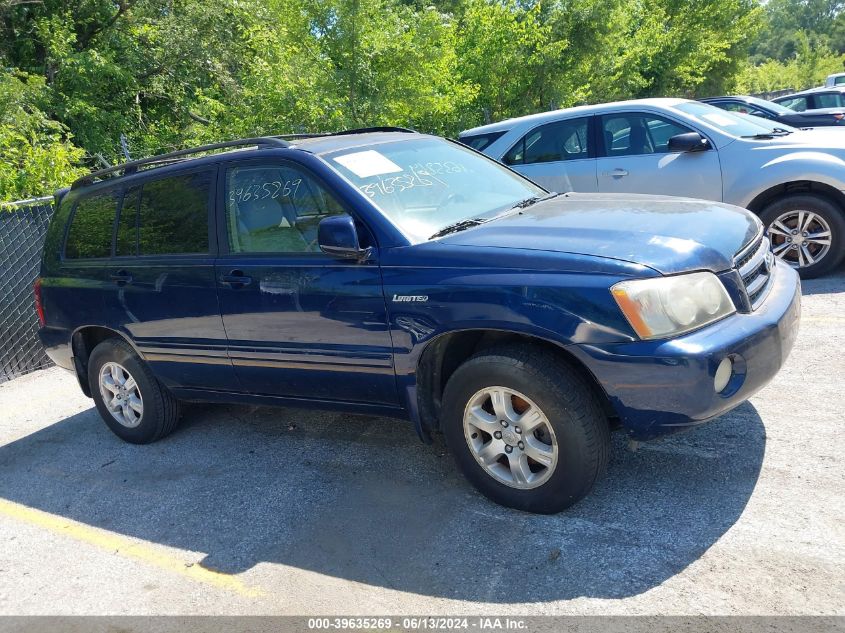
x: 122, y: 546
x: 821, y: 319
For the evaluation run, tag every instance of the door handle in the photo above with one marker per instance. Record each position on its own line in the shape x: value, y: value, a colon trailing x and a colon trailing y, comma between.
x: 121, y: 277
x: 236, y: 278
x: 616, y: 173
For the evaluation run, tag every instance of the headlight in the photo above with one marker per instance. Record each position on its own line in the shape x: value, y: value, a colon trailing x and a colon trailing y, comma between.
x: 665, y: 306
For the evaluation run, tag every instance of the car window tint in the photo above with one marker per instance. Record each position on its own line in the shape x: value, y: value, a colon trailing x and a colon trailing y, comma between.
x: 127, y: 226
x: 637, y: 134
x: 561, y: 140
x: 275, y: 209
x: 839, y: 81
x: 799, y: 104
x: 90, y: 232
x: 830, y: 100
x: 480, y: 141
x: 744, y: 108
x: 173, y: 215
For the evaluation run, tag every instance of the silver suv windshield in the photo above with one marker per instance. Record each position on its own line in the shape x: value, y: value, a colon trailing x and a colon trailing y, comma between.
x: 738, y: 125
x: 424, y: 185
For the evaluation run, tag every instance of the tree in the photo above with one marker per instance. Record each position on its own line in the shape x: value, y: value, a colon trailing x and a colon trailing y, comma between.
x: 38, y: 155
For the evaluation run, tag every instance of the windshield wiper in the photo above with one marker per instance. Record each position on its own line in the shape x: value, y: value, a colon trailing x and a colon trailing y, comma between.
x: 471, y: 222
x: 523, y: 204
x: 458, y: 226
x: 778, y: 131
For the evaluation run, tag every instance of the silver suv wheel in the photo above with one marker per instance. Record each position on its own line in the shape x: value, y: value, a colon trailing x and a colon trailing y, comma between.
x: 121, y: 395
x: 800, y: 238
x: 510, y: 437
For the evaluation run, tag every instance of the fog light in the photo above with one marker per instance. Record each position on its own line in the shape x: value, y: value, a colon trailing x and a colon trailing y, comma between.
x: 723, y: 375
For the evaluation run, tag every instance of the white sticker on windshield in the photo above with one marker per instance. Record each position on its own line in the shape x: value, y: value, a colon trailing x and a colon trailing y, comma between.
x: 368, y: 163
x: 718, y: 119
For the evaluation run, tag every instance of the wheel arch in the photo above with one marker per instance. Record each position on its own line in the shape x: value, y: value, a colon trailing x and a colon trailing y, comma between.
x: 83, y: 341
x: 764, y: 198
x: 445, y: 353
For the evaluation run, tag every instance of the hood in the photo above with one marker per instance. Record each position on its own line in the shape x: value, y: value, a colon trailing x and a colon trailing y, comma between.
x: 670, y: 235
x: 815, y: 138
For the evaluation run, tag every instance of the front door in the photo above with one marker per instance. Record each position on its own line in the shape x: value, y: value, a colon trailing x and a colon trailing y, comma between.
x: 300, y: 323
x: 636, y: 159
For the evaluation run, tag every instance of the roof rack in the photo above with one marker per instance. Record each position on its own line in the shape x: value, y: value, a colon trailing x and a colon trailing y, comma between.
x: 360, y: 130
x: 166, y: 159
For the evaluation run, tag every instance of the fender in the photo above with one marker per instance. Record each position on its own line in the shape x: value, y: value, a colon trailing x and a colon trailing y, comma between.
x: 799, y: 166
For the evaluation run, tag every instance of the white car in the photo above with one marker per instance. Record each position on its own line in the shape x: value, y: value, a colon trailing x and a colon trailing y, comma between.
x: 793, y: 179
x: 836, y: 79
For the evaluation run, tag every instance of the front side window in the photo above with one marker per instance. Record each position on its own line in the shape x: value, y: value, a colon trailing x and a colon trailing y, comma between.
x: 275, y: 209
x: 173, y: 215
x: 636, y: 134
x: 424, y: 184
x: 797, y: 104
x: 90, y: 232
x: 561, y: 140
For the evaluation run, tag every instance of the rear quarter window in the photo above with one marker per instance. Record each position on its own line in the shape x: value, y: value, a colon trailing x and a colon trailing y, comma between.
x: 91, y: 225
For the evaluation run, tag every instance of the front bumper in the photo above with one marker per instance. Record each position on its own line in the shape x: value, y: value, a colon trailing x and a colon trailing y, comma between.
x: 659, y: 387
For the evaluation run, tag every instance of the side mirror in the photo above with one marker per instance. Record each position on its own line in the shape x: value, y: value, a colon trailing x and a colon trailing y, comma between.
x: 338, y: 237
x: 689, y: 142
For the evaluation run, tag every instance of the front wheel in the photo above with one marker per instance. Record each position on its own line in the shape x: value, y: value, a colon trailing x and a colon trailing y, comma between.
x: 807, y: 232
x: 525, y: 429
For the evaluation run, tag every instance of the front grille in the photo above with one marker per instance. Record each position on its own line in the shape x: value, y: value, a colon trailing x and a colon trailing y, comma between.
x: 754, y: 264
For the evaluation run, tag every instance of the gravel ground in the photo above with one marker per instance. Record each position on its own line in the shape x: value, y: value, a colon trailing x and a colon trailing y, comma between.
x: 249, y: 510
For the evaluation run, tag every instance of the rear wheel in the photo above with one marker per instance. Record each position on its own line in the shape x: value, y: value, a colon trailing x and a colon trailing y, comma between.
x: 807, y: 232
x: 525, y: 429
x: 131, y: 401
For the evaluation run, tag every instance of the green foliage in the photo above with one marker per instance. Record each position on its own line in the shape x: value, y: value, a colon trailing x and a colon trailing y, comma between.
x: 169, y: 73
x: 808, y: 67
x: 37, y: 154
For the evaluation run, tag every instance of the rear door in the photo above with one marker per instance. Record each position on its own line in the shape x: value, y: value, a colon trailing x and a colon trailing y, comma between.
x: 559, y: 156
x: 161, y: 284
x: 636, y: 159
x: 300, y: 323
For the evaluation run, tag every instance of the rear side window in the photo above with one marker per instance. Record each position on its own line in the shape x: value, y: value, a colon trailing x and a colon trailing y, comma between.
x: 830, y: 100
x: 91, y: 227
x: 172, y: 216
x: 561, y: 140
x: 480, y: 141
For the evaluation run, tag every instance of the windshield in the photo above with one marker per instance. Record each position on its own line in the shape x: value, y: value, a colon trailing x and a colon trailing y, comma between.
x: 426, y: 184
x: 771, y: 106
x: 729, y: 122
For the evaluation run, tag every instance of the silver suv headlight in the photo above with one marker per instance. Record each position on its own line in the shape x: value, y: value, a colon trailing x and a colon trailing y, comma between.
x: 667, y: 306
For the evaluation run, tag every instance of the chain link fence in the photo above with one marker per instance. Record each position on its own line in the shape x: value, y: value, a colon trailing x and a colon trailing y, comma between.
x: 22, y: 229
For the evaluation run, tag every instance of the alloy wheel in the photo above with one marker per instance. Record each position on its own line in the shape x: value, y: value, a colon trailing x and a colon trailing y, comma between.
x: 121, y: 395
x: 510, y: 437
x: 800, y: 238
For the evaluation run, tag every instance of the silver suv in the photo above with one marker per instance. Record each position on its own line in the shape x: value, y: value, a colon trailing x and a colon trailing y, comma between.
x: 793, y: 179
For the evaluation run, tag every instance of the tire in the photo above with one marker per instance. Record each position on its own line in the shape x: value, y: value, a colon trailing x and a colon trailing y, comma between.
x: 782, y: 217
x: 538, y: 379
x: 159, y: 410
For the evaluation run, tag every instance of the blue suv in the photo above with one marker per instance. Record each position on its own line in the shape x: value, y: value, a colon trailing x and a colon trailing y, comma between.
x: 395, y: 273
